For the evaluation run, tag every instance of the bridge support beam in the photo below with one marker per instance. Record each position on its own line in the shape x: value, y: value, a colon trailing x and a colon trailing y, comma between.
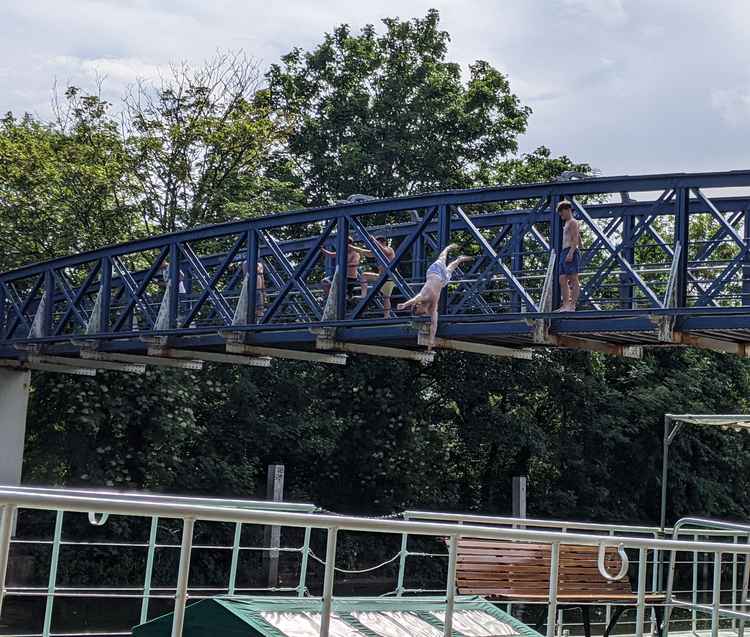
x: 14, y: 401
x: 741, y: 349
x: 211, y: 357
x: 475, y: 348
x: 375, y: 350
x: 571, y: 342
x: 274, y: 352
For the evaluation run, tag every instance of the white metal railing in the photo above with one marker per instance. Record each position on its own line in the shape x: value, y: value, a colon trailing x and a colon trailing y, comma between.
x: 152, y: 507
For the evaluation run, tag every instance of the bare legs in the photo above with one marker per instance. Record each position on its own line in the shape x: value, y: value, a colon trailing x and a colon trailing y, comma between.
x: 570, y: 290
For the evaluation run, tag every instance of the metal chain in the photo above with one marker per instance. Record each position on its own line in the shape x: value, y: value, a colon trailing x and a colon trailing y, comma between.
x: 364, y: 570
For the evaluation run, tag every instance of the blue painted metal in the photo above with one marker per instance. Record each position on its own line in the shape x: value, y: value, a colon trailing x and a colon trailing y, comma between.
x: 627, y: 257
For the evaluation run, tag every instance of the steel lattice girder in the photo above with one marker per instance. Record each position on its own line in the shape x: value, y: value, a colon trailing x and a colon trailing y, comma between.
x: 101, y: 298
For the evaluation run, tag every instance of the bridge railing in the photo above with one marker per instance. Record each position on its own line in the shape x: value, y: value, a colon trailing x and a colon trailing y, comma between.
x: 192, y: 515
x: 678, y: 244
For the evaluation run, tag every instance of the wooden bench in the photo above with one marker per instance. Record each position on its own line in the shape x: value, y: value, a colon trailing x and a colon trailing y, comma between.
x: 519, y: 572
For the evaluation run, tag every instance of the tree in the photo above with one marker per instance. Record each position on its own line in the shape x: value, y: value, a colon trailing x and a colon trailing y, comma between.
x: 201, y: 143
x: 64, y: 185
x: 389, y: 115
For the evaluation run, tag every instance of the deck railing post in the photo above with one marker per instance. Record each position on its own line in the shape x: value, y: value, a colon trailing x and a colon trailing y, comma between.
x: 328, y: 577
x: 743, y: 593
x: 183, y: 574
x: 235, y: 558
x: 641, y: 602
x: 149, y: 568
x: 450, y: 587
x: 301, y: 586
x: 552, y: 604
x: 402, y: 564
x: 52, y: 582
x: 716, y: 595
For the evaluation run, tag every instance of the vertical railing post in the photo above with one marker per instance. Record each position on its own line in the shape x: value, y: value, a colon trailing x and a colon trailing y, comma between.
x: 746, y: 260
x: 174, y: 284
x: 235, y: 558
x: 682, y: 236
x: 444, y: 238
x: 552, y: 603
x: 328, y: 577
x: 517, y: 262
x: 640, y: 612
x: 743, y: 592
x: 450, y: 587
x: 52, y: 581
x: 556, y: 245
x: 3, y: 314
x: 693, y: 612
x: 251, y: 260
x: 6, y: 527
x: 735, y: 540
x: 628, y: 253
x: 183, y: 574
x: 342, y: 257
x: 105, y: 294
x: 716, y: 595
x: 302, y: 585
x: 149, y: 568
x: 49, y: 293
x: 402, y: 564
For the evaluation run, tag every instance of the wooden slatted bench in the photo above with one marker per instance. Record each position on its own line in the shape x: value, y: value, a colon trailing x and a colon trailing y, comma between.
x: 519, y: 572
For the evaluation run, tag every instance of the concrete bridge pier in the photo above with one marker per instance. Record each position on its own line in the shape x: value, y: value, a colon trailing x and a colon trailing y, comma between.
x: 14, y: 401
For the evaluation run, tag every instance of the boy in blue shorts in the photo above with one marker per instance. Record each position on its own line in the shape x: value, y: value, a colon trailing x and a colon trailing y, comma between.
x: 570, y: 258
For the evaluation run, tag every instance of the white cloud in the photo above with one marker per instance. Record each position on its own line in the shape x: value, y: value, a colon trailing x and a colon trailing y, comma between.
x: 630, y: 86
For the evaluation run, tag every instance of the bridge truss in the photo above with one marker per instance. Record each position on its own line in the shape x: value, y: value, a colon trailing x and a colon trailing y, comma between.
x: 665, y: 262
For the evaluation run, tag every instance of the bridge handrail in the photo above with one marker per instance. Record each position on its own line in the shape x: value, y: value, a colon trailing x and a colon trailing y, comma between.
x: 11, y: 499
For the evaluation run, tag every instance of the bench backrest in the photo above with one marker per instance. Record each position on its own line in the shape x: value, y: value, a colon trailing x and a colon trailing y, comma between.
x: 495, y: 568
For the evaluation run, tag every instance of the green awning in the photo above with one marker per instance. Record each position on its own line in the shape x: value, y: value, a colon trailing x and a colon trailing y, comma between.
x: 351, y: 617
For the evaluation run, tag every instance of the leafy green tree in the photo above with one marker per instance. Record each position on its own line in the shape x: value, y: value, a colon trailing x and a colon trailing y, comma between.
x: 200, y: 146
x: 64, y: 185
x: 389, y: 114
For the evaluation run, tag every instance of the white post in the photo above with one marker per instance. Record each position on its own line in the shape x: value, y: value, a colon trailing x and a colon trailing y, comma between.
x: 330, y: 572
x: 14, y: 401
x: 183, y: 574
x: 275, y: 493
x: 716, y: 597
x: 450, y: 589
x: 641, y: 606
x: 552, y: 607
x: 6, y: 523
x: 519, y: 497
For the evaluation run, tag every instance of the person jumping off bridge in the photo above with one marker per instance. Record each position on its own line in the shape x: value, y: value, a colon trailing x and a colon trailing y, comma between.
x: 570, y: 258
x: 438, y: 276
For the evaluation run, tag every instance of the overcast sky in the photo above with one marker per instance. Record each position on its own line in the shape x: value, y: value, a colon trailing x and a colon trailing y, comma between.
x: 630, y: 86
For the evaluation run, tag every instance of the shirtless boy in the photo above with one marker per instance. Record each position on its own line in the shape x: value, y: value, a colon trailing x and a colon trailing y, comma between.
x: 353, y: 278
x: 570, y: 258
x: 389, y: 284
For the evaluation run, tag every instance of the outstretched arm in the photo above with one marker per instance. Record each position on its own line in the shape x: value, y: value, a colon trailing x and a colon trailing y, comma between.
x: 454, y: 264
x: 443, y: 256
x: 363, y: 251
x: 329, y: 253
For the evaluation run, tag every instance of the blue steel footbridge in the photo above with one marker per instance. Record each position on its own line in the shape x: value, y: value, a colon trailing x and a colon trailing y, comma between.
x: 665, y: 262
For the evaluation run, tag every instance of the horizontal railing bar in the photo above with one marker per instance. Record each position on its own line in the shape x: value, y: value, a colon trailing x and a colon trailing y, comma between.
x: 343, y: 523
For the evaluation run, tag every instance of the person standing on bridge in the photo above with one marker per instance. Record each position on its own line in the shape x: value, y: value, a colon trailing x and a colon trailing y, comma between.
x: 438, y: 276
x: 353, y: 275
x: 389, y: 284
x: 570, y: 258
x: 260, y: 287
